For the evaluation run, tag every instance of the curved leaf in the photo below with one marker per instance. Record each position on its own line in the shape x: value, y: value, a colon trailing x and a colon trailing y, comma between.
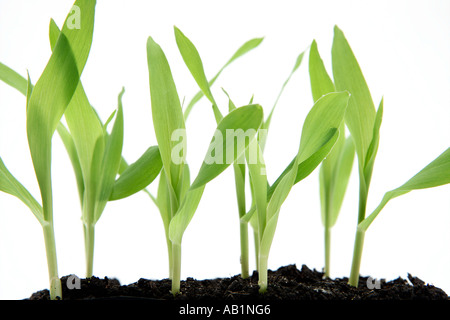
x: 138, y: 175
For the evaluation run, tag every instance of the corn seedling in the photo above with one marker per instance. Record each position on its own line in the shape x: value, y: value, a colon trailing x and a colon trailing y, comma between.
x: 46, y: 104
x: 436, y: 173
x: 336, y: 168
x: 194, y: 63
x: 178, y: 199
x: 162, y: 189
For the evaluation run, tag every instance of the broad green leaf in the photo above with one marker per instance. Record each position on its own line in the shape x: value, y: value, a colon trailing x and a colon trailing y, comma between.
x: 9, y: 184
x: 435, y: 174
x: 360, y: 115
x: 246, y: 119
x: 339, y: 181
x: 231, y: 137
x: 48, y: 101
x: 12, y: 78
x: 194, y: 63
x: 319, y: 134
x: 321, y: 83
x: 327, y: 113
x: 166, y: 110
x: 71, y: 149
x: 138, y: 175
x: 246, y: 47
x: 111, y: 160
x: 336, y: 167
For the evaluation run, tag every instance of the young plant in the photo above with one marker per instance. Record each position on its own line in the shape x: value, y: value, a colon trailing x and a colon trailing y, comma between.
x: 46, y: 104
x: 96, y: 157
x: 194, y: 63
x: 362, y: 121
x: 335, y: 170
x: 436, y: 173
x: 178, y: 198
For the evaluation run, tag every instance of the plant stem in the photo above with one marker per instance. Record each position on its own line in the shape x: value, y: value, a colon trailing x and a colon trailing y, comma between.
x: 244, y: 249
x: 256, y: 239
x: 89, y: 234
x: 169, y: 251
x: 357, y: 255
x: 262, y: 273
x: 327, y: 251
x: 176, y: 269
x: 359, y: 238
x: 50, y: 248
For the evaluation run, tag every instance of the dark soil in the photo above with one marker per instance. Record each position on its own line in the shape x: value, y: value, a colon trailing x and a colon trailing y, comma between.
x: 285, y: 284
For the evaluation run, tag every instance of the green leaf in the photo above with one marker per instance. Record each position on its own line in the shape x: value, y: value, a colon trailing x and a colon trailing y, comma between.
x: 321, y: 83
x: 337, y: 181
x: 360, y: 115
x: 373, y: 147
x: 12, y: 78
x: 48, y: 101
x: 71, y: 149
x: 194, y: 63
x: 111, y: 161
x: 435, y: 174
x: 297, y: 64
x: 258, y: 180
x: 246, y: 47
x: 230, y: 139
x: 9, y: 184
x: 138, y: 175
x: 166, y: 110
x: 319, y: 134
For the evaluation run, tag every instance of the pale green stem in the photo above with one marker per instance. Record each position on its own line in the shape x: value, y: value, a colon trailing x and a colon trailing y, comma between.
x: 327, y: 252
x: 169, y: 251
x: 89, y: 235
x: 244, y: 249
x: 256, y: 239
x: 262, y: 273
x: 176, y: 270
x: 359, y: 238
x: 50, y: 248
x: 357, y: 255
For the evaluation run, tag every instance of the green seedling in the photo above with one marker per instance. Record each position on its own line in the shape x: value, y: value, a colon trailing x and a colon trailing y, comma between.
x: 177, y: 197
x: 96, y: 157
x: 435, y: 174
x: 91, y: 147
x: 319, y: 134
x: 194, y: 63
x: 336, y: 168
x: 46, y: 104
x: 362, y: 121
x: 161, y: 197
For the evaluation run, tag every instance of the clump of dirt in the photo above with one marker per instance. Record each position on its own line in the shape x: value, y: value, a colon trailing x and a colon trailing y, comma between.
x: 288, y: 283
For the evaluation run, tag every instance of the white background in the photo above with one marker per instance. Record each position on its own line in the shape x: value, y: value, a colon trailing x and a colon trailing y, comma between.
x: 403, y: 48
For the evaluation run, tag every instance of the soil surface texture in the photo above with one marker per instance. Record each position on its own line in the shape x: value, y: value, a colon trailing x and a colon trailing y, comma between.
x: 287, y: 283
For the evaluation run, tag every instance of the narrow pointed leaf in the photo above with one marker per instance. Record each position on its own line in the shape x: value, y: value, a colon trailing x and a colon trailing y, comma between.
x: 166, y: 110
x: 360, y: 116
x: 435, y: 174
x: 194, y: 63
x: 240, y: 124
x: 9, y: 184
x: 246, y: 47
x: 13, y: 79
x: 138, y: 175
x: 111, y: 160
